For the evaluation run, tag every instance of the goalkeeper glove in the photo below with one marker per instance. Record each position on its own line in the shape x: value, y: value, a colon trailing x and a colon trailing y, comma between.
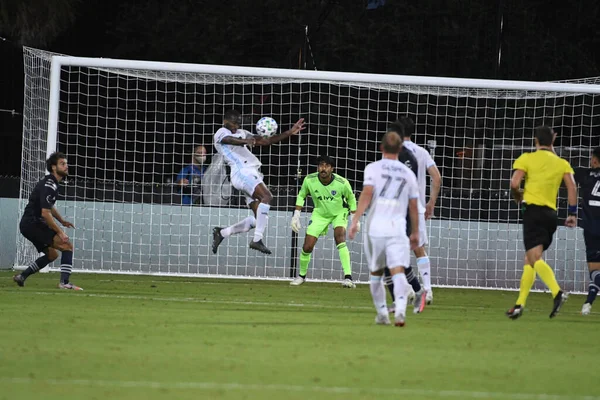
x: 296, y: 226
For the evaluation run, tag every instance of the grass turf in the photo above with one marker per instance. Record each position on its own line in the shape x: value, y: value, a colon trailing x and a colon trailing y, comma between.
x: 133, y: 337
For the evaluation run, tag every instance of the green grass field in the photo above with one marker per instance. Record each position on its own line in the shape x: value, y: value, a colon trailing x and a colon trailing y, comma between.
x: 132, y: 337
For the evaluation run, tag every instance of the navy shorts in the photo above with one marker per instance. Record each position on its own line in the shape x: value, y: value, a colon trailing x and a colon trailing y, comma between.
x: 37, y: 233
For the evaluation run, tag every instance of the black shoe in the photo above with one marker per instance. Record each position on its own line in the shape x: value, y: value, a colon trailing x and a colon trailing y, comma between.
x: 515, y: 312
x: 260, y: 246
x: 19, y: 280
x: 559, y: 300
x: 217, y: 239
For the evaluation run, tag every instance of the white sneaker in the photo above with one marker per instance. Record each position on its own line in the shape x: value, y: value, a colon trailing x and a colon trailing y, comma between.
x: 400, y: 320
x: 429, y: 297
x: 411, y: 297
x: 382, y: 319
x: 347, y: 283
x: 586, y: 309
x: 297, y: 281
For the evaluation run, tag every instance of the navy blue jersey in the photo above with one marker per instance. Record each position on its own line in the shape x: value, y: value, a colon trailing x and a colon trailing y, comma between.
x: 407, y: 158
x: 588, y: 180
x: 42, y: 196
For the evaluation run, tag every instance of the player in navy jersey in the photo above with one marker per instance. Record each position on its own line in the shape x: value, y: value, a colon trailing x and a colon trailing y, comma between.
x: 38, y: 225
x: 588, y: 180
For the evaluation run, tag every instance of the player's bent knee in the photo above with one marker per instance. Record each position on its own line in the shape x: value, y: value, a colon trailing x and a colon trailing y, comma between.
x: 52, y: 254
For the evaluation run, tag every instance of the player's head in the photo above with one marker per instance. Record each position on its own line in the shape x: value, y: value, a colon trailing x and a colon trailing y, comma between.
x: 408, y: 126
x: 391, y: 142
x: 57, y: 164
x: 232, y: 120
x: 596, y: 158
x: 199, y: 155
x: 544, y: 136
x: 325, y: 165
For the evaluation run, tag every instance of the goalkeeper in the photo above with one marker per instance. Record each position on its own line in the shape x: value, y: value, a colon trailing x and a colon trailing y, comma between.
x: 333, y: 199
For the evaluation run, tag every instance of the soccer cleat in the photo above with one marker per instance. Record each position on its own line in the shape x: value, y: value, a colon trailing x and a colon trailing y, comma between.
x: 420, y: 300
x: 586, y: 309
x: 260, y: 246
x: 515, y: 312
x: 347, y: 283
x: 559, y: 300
x: 68, y: 286
x: 217, y: 239
x: 429, y: 297
x: 400, y: 320
x: 297, y: 281
x: 392, y: 309
x: 382, y: 319
x: 19, y: 280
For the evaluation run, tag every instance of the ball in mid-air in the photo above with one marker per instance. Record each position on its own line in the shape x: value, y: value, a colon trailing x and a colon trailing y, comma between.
x: 266, y: 126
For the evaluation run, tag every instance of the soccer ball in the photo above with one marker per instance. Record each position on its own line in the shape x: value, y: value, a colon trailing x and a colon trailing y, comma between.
x: 266, y: 126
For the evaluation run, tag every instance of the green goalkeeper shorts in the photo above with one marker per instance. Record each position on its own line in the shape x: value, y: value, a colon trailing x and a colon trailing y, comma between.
x: 319, y: 225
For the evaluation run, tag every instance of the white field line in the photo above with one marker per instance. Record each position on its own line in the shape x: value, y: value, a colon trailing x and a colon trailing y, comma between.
x: 465, y: 394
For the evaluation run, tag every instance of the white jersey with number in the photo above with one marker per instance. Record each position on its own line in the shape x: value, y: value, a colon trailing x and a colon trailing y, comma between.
x: 237, y: 157
x: 424, y: 162
x: 393, y: 186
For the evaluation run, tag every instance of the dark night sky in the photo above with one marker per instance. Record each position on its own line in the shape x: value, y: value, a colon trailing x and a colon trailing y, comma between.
x: 541, y: 40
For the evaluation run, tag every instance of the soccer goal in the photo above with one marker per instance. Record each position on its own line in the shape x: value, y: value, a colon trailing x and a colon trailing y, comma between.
x: 128, y: 127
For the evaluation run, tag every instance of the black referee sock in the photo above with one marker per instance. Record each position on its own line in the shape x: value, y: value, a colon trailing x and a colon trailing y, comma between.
x: 412, y: 279
x: 36, y: 266
x: 389, y: 283
x: 66, y: 265
x: 594, y: 286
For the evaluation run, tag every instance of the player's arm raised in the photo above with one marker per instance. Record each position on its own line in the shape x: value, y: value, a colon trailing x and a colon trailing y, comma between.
x: 294, y: 130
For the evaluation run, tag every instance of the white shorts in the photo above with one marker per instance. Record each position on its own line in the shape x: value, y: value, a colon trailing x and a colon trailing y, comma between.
x: 388, y: 252
x: 423, y: 239
x: 246, y: 180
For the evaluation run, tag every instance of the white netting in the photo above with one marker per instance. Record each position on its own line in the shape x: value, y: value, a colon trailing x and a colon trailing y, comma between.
x: 127, y: 133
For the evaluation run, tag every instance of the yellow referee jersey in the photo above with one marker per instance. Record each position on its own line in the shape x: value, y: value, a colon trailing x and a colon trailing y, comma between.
x: 544, y: 172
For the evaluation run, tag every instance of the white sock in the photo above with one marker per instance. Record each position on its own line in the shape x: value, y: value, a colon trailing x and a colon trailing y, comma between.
x: 425, y: 271
x: 262, y: 216
x: 239, y: 227
x: 378, y: 294
x: 401, y: 288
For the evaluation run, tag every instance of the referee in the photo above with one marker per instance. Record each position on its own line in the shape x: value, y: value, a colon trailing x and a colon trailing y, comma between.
x: 543, y: 171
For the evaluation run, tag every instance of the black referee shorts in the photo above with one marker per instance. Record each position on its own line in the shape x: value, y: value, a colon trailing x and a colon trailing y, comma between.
x: 539, y: 225
x: 37, y: 233
x: 592, y: 247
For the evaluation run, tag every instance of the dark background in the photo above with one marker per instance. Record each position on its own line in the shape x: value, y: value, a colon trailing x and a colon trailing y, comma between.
x: 536, y: 40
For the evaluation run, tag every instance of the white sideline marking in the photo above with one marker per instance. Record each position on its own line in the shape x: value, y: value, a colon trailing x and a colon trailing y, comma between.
x: 293, y: 388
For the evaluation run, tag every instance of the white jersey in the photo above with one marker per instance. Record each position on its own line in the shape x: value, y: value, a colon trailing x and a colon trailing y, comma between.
x: 393, y: 185
x: 424, y: 161
x: 237, y: 157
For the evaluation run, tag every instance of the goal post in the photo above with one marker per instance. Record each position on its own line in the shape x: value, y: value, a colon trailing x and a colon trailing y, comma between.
x: 128, y: 127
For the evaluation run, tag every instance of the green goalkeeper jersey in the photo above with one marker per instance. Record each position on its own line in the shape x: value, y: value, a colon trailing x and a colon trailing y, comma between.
x: 328, y: 199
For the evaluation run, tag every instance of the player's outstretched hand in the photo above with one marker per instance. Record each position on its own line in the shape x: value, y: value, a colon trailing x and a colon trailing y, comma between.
x: 414, y: 241
x: 67, y: 224
x: 296, y: 225
x: 298, y: 126
x: 571, y: 221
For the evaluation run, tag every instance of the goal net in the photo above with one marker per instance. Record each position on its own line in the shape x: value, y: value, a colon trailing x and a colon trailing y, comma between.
x: 129, y: 127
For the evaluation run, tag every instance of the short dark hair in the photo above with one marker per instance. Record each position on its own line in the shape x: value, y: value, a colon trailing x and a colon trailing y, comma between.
x: 544, y: 135
x: 596, y: 153
x: 53, y: 160
x: 233, y: 116
x: 324, y: 158
x: 391, y: 142
x: 396, y: 127
x: 408, y: 124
